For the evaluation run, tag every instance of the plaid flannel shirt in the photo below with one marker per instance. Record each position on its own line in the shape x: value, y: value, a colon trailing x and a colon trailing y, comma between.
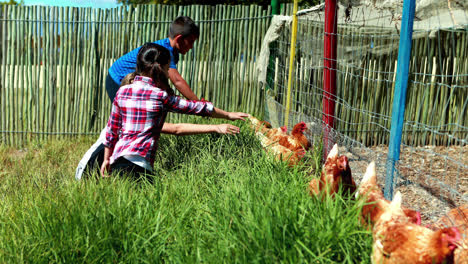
x: 138, y: 113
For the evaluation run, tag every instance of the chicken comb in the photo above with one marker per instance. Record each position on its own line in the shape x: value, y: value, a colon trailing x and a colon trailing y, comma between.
x: 418, y: 218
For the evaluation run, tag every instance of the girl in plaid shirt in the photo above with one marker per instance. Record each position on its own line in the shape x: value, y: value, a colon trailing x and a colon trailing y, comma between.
x: 139, y: 110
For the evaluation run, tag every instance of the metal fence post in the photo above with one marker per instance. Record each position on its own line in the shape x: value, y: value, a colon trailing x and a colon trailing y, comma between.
x: 275, y: 7
x: 292, y: 55
x: 399, y: 96
x: 329, y: 73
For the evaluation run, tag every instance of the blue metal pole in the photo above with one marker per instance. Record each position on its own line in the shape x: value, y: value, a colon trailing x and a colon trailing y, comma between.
x: 399, y: 96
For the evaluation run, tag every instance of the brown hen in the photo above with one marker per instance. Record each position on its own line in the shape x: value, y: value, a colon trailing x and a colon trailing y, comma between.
x: 457, y: 217
x: 297, y: 140
x: 275, y: 134
x: 335, y: 173
x: 280, y: 153
x: 376, y: 204
x: 397, y: 240
x: 258, y: 125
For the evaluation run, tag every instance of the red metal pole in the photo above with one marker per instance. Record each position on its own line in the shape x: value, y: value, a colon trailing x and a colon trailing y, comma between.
x: 329, y: 73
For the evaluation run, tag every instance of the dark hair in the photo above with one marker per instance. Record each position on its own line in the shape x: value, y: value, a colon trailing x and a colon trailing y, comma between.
x: 183, y: 26
x: 150, y: 59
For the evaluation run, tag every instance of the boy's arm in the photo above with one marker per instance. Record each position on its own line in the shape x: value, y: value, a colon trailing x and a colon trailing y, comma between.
x: 183, y: 129
x: 181, y: 84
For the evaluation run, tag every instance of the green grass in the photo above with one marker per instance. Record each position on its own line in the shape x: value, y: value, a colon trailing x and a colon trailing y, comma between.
x: 215, y: 199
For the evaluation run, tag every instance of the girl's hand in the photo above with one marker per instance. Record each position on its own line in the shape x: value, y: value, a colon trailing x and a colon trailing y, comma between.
x: 105, y: 169
x: 237, y: 116
x: 227, y: 129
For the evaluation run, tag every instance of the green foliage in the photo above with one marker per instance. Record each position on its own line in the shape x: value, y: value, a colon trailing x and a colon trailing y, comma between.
x: 11, y: 2
x: 264, y: 3
x: 215, y: 199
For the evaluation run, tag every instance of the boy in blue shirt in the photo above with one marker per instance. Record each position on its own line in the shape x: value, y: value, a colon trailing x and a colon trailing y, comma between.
x: 183, y: 32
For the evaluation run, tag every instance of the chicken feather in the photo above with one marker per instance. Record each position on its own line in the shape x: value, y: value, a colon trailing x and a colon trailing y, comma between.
x: 457, y: 217
x: 280, y: 152
x: 375, y: 201
x: 335, y: 173
x: 397, y: 240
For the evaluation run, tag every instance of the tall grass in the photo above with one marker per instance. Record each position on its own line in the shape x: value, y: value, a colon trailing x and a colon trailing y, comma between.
x: 215, y: 199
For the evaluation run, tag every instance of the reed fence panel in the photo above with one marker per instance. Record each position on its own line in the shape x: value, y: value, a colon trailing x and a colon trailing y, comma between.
x: 54, y: 61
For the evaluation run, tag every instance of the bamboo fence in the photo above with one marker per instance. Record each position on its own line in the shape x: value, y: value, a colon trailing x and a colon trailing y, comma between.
x: 54, y: 61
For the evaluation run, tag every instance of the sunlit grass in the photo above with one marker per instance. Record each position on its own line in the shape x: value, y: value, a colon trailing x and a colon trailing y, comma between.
x: 215, y: 199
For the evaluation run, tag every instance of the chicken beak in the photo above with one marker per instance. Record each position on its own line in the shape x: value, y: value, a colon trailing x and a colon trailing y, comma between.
x: 344, y: 162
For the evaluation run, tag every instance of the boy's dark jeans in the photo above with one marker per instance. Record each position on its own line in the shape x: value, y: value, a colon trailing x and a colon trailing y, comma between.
x: 124, y: 166
x: 111, y: 87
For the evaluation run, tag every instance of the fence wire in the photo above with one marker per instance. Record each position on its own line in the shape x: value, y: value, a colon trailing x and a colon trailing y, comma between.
x: 432, y: 172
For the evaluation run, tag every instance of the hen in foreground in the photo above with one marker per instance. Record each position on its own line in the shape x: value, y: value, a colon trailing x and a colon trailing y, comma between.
x: 457, y: 217
x: 396, y: 240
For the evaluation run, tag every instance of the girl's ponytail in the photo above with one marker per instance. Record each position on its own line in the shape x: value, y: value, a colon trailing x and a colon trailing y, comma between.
x: 150, y: 59
x: 160, y: 78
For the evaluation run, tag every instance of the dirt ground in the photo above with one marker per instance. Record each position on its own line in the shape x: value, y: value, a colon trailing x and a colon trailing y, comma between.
x: 432, y: 179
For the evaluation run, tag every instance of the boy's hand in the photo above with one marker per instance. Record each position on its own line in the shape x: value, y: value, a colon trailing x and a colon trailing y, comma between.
x: 237, y: 116
x: 227, y: 129
x: 105, y: 168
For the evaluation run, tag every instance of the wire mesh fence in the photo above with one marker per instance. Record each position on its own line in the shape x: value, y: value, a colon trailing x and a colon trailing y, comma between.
x: 432, y: 172
x: 54, y: 61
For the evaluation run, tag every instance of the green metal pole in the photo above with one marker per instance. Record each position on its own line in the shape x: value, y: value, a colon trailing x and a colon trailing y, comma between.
x: 275, y: 10
x: 275, y: 7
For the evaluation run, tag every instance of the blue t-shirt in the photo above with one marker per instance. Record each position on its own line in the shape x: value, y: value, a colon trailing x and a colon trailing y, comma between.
x: 127, y: 63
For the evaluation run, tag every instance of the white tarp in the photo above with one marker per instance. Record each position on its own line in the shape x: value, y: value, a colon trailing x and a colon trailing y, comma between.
x: 273, y: 32
x: 430, y: 16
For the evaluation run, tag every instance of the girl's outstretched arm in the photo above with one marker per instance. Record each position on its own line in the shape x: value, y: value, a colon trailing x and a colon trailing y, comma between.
x: 203, y: 108
x: 183, y: 129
